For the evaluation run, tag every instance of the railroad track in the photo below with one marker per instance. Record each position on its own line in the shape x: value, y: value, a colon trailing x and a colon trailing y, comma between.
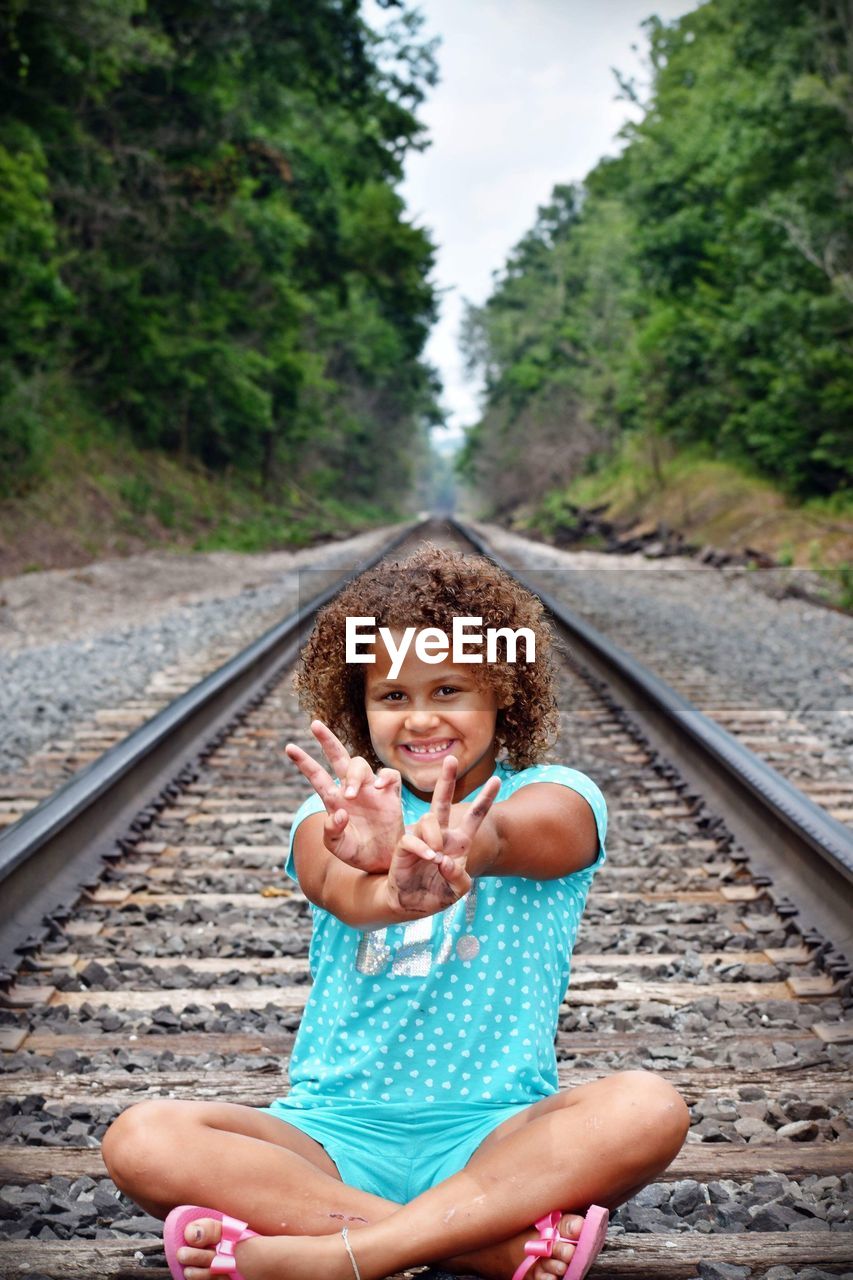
x: 802, y: 750
x: 807, y: 745
x: 182, y: 970
x: 85, y: 738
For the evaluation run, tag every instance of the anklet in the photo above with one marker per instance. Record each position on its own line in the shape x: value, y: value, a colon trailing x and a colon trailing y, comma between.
x: 344, y: 1234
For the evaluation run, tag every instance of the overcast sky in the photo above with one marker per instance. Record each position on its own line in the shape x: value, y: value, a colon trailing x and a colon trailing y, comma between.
x: 526, y: 100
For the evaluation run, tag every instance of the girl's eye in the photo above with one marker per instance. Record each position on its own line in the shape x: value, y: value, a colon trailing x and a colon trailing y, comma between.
x: 393, y: 694
x: 448, y: 688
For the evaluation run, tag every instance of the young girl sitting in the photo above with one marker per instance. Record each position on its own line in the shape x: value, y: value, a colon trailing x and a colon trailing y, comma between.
x: 447, y: 871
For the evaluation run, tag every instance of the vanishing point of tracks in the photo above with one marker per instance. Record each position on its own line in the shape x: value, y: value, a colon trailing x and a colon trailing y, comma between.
x: 181, y: 971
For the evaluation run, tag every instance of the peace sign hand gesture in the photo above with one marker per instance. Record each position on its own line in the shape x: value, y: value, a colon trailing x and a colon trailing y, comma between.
x: 364, y: 820
x: 428, y: 871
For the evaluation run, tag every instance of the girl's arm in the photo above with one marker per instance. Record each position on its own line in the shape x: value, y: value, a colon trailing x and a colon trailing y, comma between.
x: 543, y: 831
x: 422, y: 878
x: 418, y: 884
x: 359, y: 898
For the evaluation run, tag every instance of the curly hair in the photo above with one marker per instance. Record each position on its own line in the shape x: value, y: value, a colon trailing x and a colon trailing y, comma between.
x: 427, y: 590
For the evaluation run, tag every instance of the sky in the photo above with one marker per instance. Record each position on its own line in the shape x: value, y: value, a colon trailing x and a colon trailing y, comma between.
x: 527, y: 99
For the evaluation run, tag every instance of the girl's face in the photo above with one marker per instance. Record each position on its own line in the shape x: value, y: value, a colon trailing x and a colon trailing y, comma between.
x: 429, y: 711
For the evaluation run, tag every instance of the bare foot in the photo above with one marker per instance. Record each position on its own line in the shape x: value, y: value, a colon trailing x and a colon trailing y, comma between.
x: 265, y: 1257
x: 499, y: 1261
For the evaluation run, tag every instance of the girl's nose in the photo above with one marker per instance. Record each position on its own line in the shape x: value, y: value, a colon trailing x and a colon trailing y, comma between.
x: 422, y: 718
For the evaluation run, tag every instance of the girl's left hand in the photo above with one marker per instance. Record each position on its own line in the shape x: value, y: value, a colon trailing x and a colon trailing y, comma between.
x: 428, y: 870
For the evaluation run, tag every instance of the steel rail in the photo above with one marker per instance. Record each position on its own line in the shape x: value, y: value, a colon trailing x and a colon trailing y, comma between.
x: 55, y: 850
x: 803, y: 850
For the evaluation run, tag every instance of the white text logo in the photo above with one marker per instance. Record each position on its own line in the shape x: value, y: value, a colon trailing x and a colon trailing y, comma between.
x: 432, y: 644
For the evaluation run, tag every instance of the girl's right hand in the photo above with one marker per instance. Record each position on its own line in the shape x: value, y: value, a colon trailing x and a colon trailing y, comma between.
x: 364, y: 821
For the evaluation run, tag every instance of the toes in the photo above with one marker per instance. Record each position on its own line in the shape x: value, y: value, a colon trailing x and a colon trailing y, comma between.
x: 203, y: 1233
x: 195, y: 1257
x: 563, y: 1252
x: 571, y: 1224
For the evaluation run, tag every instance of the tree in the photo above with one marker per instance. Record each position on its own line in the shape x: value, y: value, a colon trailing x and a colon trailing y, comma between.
x: 698, y: 285
x: 215, y: 189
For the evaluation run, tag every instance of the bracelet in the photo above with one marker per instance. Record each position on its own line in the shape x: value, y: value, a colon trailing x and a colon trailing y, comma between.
x: 344, y: 1234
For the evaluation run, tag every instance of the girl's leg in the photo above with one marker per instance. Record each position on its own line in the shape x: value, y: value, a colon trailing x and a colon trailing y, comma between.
x: 596, y: 1144
x: 652, y: 1145
x: 234, y: 1159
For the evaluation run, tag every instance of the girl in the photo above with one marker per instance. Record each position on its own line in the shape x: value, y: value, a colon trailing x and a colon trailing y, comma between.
x: 447, y: 871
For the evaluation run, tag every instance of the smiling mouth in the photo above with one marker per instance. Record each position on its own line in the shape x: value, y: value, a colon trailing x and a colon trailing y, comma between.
x: 427, y: 751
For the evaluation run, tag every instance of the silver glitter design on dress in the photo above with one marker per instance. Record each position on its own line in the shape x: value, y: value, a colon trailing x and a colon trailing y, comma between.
x: 414, y: 954
x: 373, y: 952
x: 451, y: 922
x: 413, y: 958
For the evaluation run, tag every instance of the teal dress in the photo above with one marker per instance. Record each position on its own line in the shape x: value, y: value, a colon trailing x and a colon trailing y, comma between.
x: 418, y: 1039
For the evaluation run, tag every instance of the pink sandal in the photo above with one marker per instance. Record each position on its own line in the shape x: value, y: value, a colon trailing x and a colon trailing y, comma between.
x: 587, y: 1245
x: 233, y: 1232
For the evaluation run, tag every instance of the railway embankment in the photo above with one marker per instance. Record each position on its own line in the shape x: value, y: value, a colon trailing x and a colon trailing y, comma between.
x: 660, y: 501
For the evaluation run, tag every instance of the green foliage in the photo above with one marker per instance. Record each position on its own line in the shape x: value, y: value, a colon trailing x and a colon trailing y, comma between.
x: 840, y: 580
x: 699, y: 287
x: 34, y: 303
x: 200, y: 224
x: 24, y: 444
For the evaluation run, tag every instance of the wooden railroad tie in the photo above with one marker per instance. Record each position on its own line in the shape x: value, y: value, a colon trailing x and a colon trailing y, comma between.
x: 634, y: 1256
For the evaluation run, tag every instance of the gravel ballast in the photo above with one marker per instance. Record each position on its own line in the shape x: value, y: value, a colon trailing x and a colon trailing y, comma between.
x: 75, y: 641
x: 684, y: 619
